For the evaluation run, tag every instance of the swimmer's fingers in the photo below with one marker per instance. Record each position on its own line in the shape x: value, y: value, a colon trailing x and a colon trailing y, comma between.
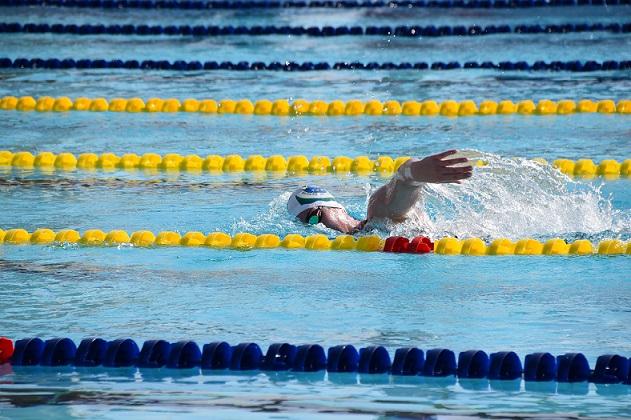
x: 451, y: 162
x: 458, y: 170
x: 453, y: 178
x: 440, y: 156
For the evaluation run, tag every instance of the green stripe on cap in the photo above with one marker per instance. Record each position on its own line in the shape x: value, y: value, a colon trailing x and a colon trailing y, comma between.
x: 304, y: 201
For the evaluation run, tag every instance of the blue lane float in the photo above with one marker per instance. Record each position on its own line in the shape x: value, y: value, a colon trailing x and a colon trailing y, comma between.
x: 184, y: 355
x: 294, y: 4
x: 611, y: 369
x: 540, y: 367
x: 28, y: 352
x: 154, y: 354
x: 91, y: 352
x: 121, y: 353
x: 414, y: 31
x: 280, y: 356
x: 246, y: 356
x: 344, y: 358
x: 408, y: 361
x: 216, y: 356
x: 473, y: 364
x: 59, y: 352
x: 373, y: 360
x: 291, y: 66
x: 504, y: 365
x: 309, y: 358
x: 572, y: 367
x: 440, y: 362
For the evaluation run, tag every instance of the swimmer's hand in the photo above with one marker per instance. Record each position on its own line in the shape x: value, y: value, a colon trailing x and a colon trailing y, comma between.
x: 397, y: 198
x: 437, y: 169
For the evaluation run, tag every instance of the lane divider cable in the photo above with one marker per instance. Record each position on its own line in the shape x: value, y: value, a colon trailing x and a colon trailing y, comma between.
x: 411, y: 31
x: 408, y: 361
x: 275, y: 164
x: 314, y: 4
x: 369, y: 243
x: 319, y: 108
x: 576, y: 66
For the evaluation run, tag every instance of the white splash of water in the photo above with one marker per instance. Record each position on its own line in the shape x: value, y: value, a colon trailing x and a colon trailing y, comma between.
x: 514, y: 198
x: 510, y: 197
x: 275, y: 219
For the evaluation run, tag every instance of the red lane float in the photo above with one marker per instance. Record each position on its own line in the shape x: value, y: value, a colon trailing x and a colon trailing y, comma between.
x: 6, y: 350
x: 400, y: 244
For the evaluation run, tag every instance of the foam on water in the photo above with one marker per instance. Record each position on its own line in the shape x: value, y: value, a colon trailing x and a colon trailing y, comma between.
x: 509, y: 197
x: 516, y: 198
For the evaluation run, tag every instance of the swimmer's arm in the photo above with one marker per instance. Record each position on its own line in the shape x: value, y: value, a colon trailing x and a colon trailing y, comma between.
x: 396, y: 198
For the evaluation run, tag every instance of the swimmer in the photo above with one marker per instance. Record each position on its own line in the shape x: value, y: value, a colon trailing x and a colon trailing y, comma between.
x: 391, y: 202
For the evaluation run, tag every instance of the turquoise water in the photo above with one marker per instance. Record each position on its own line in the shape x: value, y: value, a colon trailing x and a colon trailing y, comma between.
x: 525, y: 304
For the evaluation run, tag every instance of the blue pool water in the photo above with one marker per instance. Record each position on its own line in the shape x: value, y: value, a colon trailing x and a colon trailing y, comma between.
x: 525, y: 304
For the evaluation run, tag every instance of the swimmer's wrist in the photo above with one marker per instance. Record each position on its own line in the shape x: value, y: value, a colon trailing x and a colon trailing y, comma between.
x: 404, y: 174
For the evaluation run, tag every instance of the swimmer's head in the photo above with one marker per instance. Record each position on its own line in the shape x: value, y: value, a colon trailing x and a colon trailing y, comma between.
x: 312, y: 204
x: 310, y: 197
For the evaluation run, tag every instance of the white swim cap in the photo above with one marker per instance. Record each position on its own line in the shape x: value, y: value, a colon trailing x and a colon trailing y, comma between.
x: 308, y: 197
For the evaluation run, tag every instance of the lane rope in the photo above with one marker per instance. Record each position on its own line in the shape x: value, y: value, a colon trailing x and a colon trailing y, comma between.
x: 408, y: 361
x: 326, y: 31
x: 277, y: 164
x: 370, y: 243
x: 575, y: 66
x: 301, y: 107
x: 297, y: 4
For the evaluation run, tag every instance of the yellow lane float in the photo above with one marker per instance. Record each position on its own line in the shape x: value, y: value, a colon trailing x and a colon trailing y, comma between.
x: 283, y: 107
x: 296, y: 165
x: 368, y: 243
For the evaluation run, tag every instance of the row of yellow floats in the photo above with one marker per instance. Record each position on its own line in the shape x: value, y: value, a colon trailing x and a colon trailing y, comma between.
x: 529, y: 246
x: 283, y: 107
x: 370, y: 243
x: 145, y: 238
x: 216, y: 164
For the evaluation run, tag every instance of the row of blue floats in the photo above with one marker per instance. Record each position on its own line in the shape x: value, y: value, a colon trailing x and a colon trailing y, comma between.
x: 299, y: 4
x: 506, y: 365
x: 325, y: 31
x: 180, y: 65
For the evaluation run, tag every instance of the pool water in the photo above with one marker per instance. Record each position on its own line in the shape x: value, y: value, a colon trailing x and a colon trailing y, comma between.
x: 525, y: 304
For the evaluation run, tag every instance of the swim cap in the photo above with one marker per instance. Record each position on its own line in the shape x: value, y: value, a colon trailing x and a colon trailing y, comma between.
x: 308, y: 197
